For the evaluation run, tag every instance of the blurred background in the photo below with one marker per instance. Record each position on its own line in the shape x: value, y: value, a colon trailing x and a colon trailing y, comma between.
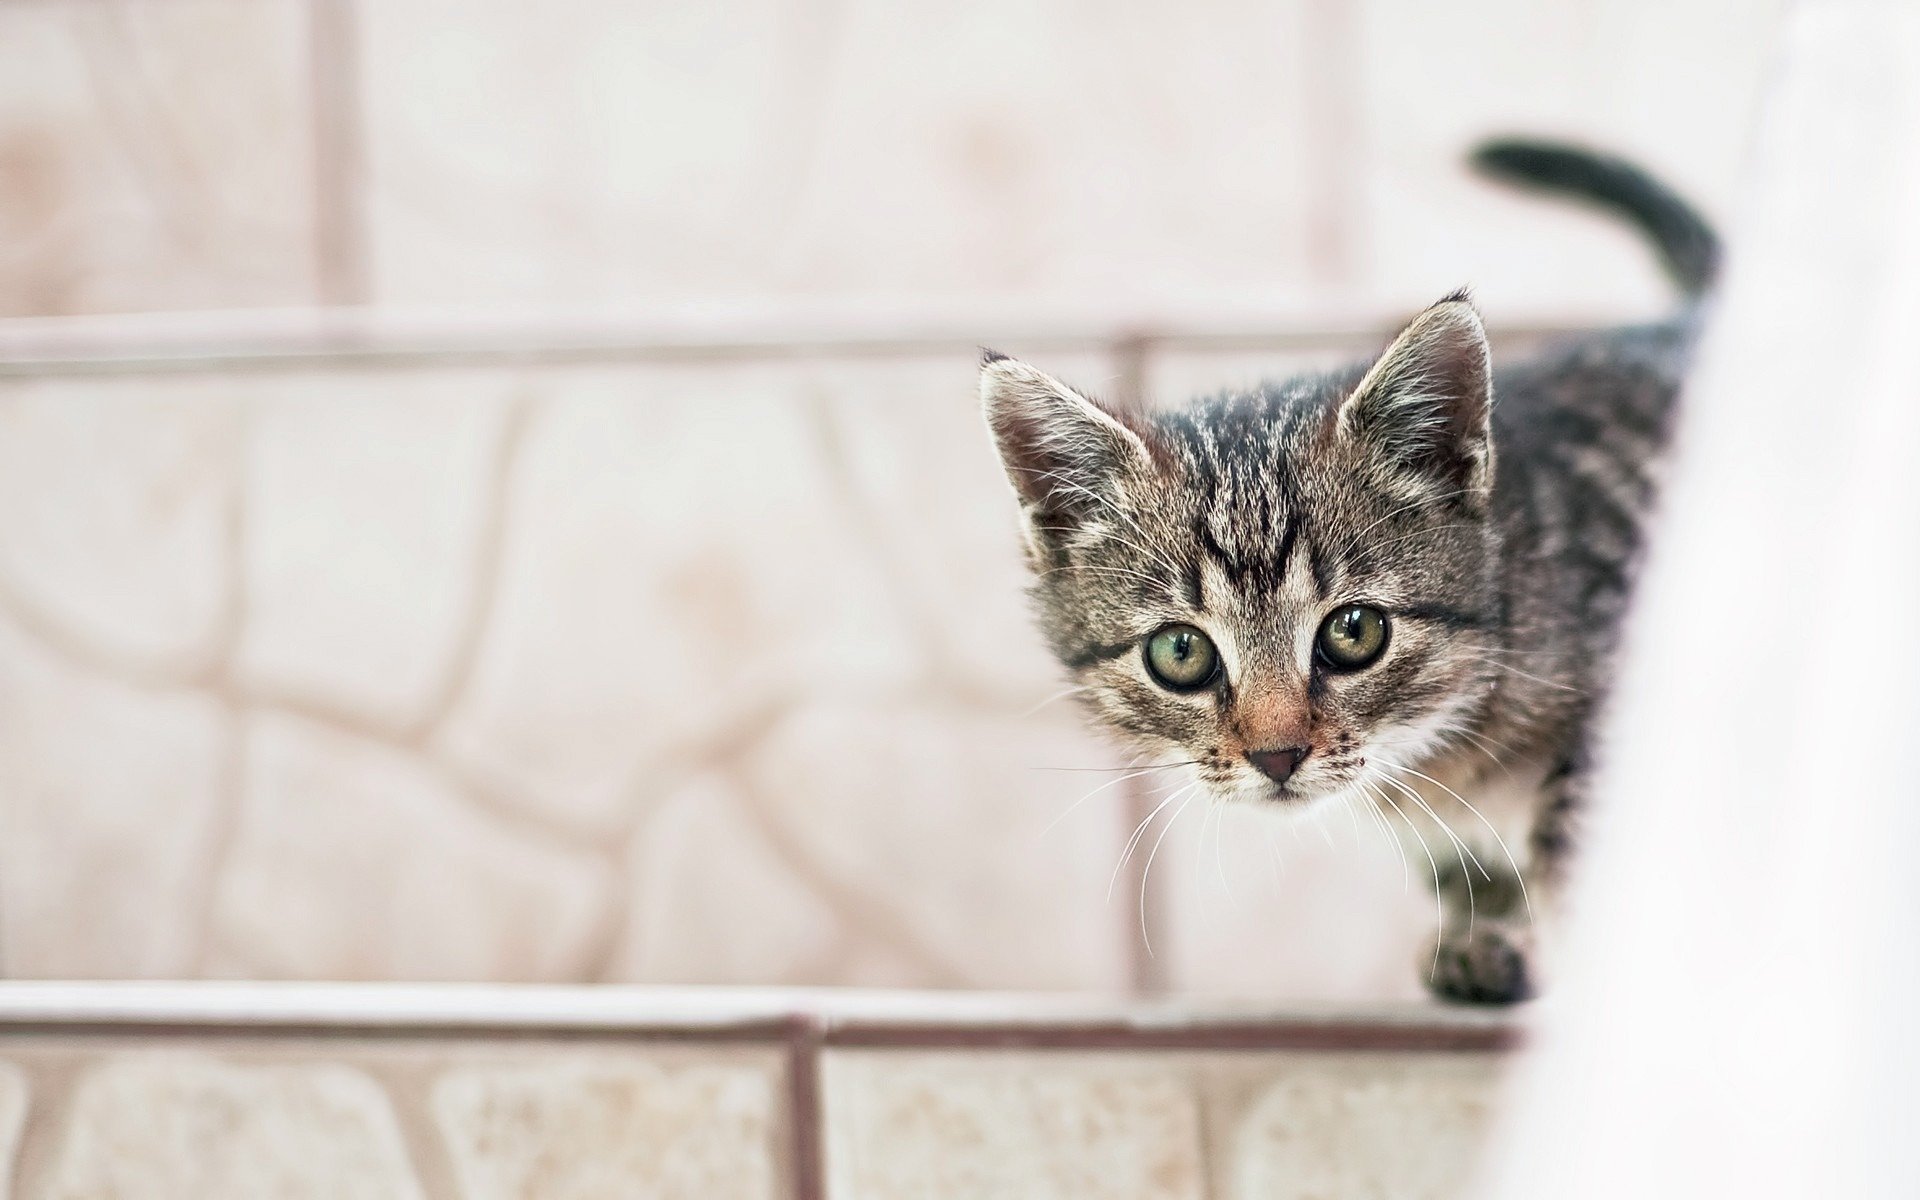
x: 495, y: 492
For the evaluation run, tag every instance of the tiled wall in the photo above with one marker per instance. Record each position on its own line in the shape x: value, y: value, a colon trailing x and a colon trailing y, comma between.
x: 804, y: 1107
x: 167, y: 154
x: 639, y: 672
x: 693, y: 672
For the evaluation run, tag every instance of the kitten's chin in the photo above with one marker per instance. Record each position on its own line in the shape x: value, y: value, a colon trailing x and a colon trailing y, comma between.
x: 1289, y: 798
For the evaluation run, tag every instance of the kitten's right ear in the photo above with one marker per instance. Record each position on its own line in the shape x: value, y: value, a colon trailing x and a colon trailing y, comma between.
x: 1066, y: 455
x: 1423, y: 409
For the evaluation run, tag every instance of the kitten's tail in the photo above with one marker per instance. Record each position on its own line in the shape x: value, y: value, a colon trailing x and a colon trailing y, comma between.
x: 1688, y: 247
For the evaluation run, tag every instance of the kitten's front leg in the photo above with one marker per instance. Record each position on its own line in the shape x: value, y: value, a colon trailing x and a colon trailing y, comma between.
x: 1489, y: 951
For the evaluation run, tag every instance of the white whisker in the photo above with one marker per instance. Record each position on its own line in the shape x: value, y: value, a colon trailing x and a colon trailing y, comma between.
x: 1393, y: 839
x: 1146, y: 872
x: 1499, y: 841
x: 1082, y: 800
x: 1497, y: 665
x: 1409, y: 507
x: 1439, y: 904
x: 1139, y: 831
x: 1059, y: 695
x: 1461, y: 851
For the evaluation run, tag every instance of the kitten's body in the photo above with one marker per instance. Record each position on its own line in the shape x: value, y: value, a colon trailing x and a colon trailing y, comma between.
x: 1495, y: 541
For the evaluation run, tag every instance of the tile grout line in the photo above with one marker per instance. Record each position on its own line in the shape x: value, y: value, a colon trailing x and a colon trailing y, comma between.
x: 339, y: 241
x: 1331, y: 83
x: 806, y: 1161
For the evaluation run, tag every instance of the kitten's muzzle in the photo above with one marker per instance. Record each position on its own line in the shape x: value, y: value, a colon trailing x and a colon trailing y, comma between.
x: 1277, y: 765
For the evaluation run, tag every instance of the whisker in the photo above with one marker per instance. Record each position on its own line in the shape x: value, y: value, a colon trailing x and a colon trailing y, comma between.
x: 1524, y: 653
x: 1519, y: 875
x: 1487, y: 746
x: 1139, y: 831
x: 1185, y: 762
x: 1513, y: 670
x: 1147, y: 871
x: 1273, y: 858
x: 1219, y: 836
x: 1059, y: 695
x: 1092, y: 569
x: 1393, y: 839
x: 1070, y: 486
x: 1418, y: 532
x: 1461, y: 851
x: 1414, y: 794
x: 1439, y: 905
x: 1409, y: 507
x: 1082, y: 800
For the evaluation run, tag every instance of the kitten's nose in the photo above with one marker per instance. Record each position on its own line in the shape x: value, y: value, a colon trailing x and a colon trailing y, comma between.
x: 1277, y: 765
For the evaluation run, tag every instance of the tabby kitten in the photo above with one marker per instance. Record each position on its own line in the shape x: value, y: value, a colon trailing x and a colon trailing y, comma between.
x: 1378, y: 586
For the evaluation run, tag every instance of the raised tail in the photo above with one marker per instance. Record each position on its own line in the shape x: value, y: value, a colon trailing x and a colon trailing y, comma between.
x: 1687, y: 245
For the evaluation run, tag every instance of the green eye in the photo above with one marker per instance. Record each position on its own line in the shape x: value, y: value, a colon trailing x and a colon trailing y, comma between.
x: 1181, y: 658
x: 1352, y: 637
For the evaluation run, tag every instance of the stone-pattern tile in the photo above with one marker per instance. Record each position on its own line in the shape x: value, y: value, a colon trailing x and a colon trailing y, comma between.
x: 1357, y: 1126
x: 352, y: 860
x: 613, y: 1125
x: 366, y: 515
x: 699, y: 862
x: 110, y: 798
x: 942, y: 837
x: 186, y: 1125
x: 674, y: 570
x: 1675, y: 86
x: 1283, y: 907
x: 570, y: 673
x: 870, y: 149
x: 135, y: 558
x: 154, y: 156
x: 1052, y: 1127
x: 638, y: 673
x: 15, y: 1096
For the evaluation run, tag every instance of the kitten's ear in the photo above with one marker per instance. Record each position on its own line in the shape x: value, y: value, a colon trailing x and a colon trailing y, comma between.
x: 1423, y: 408
x: 1067, y: 456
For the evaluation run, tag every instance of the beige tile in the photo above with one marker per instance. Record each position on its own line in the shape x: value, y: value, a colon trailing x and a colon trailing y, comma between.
x: 1283, y: 908
x: 675, y: 567
x: 110, y: 804
x: 1674, y: 86
x: 114, y: 511
x: 1390, y: 1126
x: 1050, y: 1127
x: 368, y: 499
x: 615, y: 1124
x: 353, y: 860
x: 907, y: 443
x: 187, y: 1125
x: 583, y: 153
x: 711, y: 900
x: 944, y: 837
x: 154, y: 156
x: 14, y: 1097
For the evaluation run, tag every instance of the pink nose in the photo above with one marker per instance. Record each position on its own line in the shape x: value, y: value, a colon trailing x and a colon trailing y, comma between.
x: 1277, y: 765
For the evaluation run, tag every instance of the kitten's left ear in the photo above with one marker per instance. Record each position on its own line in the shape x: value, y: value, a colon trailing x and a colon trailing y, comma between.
x: 1423, y: 408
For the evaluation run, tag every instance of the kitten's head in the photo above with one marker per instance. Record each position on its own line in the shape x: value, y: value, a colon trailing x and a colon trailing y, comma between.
x: 1284, y: 587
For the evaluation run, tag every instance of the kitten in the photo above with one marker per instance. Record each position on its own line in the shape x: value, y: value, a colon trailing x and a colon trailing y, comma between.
x: 1396, y: 586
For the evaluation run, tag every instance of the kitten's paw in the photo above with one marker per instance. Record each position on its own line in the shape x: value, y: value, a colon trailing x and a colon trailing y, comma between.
x: 1491, y: 965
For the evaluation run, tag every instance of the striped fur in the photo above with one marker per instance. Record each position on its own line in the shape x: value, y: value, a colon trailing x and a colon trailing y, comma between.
x: 1495, y: 516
